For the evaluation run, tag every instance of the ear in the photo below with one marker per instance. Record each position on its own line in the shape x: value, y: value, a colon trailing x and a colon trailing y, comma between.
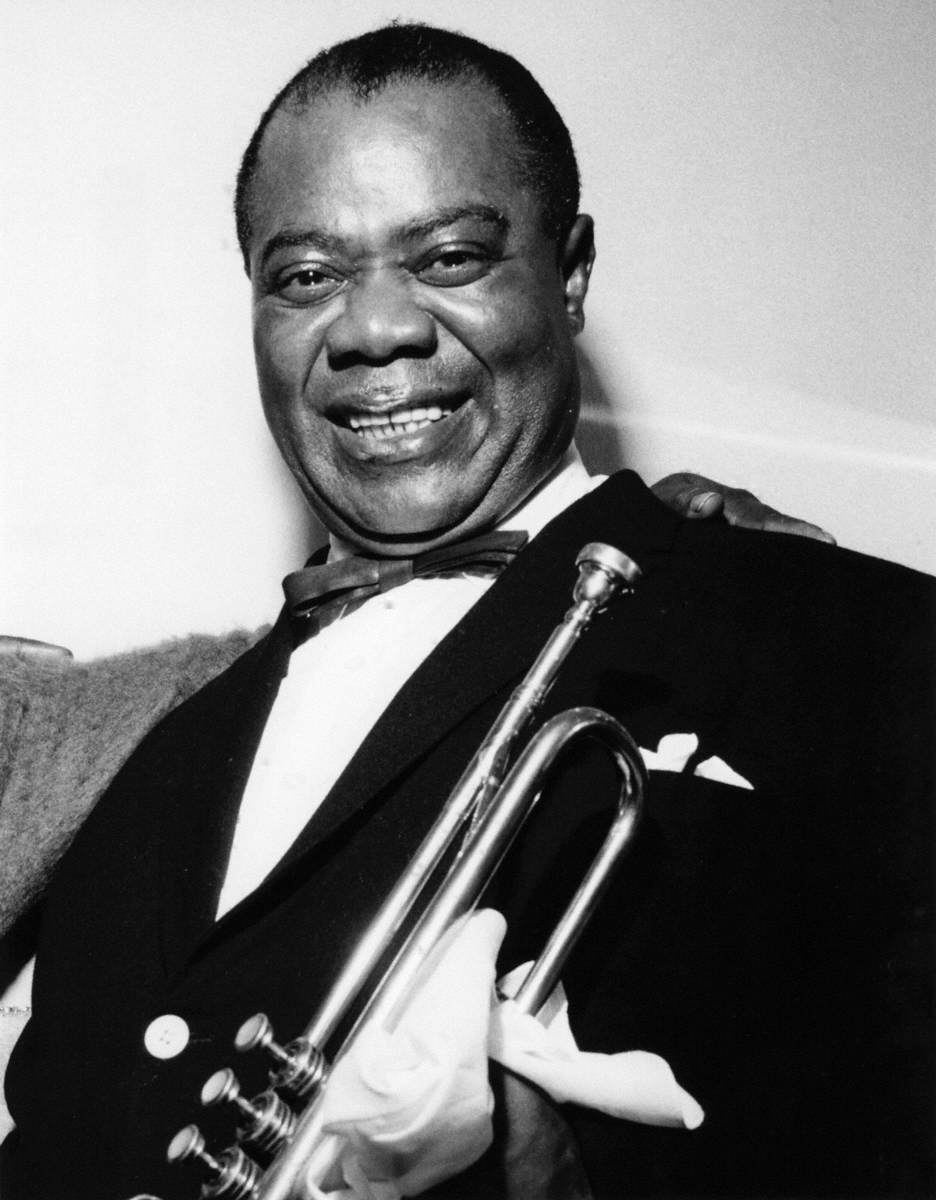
x: 576, y: 259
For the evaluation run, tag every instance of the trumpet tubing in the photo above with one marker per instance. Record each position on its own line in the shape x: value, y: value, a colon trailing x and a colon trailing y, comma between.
x: 486, y: 809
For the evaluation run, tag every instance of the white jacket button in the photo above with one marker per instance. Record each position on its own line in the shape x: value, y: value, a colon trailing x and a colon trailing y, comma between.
x: 166, y: 1036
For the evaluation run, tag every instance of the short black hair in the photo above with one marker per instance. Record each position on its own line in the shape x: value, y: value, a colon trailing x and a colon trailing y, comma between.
x: 364, y: 65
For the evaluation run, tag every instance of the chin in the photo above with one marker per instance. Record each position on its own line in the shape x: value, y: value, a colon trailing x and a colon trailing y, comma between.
x: 406, y: 533
x: 414, y: 523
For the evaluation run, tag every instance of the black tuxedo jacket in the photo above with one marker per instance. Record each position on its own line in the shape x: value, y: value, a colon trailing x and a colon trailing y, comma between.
x: 773, y: 943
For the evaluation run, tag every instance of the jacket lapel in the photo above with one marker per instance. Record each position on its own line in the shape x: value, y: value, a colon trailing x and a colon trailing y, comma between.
x: 204, y: 781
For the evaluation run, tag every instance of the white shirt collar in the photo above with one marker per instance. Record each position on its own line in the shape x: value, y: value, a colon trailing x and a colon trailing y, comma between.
x: 568, y: 482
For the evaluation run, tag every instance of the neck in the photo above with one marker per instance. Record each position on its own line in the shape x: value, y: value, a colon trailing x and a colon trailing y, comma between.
x: 566, y: 482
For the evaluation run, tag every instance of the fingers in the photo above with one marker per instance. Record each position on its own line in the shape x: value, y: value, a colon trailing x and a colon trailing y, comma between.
x: 747, y: 512
x: 698, y: 497
x: 775, y: 522
x: 33, y: 651
x: 692, y: 496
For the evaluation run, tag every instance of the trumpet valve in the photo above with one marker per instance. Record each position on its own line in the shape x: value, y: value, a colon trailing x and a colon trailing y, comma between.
x: 266, y: 1120
x: 256, y: 1032
x: 233, y: 1175
x: 302, y: 1067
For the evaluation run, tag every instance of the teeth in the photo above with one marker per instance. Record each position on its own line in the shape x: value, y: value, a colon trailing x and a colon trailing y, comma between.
x: 403, y: 420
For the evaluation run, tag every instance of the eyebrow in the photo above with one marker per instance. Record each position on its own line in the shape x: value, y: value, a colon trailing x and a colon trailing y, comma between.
x: 449, y: 216
x: 410, y: 231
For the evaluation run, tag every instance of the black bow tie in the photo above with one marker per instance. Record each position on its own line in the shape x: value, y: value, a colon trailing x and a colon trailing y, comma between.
x: 351, y: 579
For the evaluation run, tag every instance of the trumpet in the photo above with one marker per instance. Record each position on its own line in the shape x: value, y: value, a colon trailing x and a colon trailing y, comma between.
x: 485, y: 810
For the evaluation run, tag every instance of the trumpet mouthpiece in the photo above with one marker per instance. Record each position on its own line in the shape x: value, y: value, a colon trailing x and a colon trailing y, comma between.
x: 603, y: 572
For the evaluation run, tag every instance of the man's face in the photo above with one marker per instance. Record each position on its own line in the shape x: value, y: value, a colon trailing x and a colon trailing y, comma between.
x: 413, y: 323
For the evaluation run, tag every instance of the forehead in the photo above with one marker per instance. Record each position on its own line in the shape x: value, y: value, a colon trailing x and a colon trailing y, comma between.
x: 411, y: 148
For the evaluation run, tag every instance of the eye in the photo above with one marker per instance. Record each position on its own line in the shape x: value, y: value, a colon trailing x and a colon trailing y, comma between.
x: 454, y: 266
x: 308, y: 283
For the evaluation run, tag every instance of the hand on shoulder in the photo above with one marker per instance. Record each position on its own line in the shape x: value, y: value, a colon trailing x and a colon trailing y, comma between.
x: 698, y: 498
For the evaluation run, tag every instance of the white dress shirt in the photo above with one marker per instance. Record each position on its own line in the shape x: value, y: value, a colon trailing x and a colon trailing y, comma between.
x: 339, y: 683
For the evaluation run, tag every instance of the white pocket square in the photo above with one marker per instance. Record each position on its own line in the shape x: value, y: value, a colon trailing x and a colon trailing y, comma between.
x: 675, y: 750
x: 717, y: 769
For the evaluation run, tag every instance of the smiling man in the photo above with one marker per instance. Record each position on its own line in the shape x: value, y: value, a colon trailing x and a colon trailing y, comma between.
x: 413, y: 315
x: 408, y: 215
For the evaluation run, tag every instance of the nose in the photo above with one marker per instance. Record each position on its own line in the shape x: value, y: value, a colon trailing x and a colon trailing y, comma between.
x: 379, y: 321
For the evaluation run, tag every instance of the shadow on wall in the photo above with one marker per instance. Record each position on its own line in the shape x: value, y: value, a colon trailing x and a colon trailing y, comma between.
x: 871, y: 480
x: 601, y: 436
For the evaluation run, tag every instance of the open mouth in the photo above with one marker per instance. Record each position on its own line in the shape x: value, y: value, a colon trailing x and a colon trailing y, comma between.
x: 400, y: 421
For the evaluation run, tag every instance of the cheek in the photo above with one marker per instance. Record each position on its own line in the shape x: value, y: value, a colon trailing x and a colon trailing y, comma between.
x: 281, y: 396
x: 514, y: 328
x: 285, y: 347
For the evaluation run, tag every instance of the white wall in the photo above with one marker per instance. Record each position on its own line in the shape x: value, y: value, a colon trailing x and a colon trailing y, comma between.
x: 762, y: 176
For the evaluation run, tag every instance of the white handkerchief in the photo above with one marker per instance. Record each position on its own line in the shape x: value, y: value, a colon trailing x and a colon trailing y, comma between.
x: 413, y: 1107
x: 634, y: 1085
x: 407, y: 1109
